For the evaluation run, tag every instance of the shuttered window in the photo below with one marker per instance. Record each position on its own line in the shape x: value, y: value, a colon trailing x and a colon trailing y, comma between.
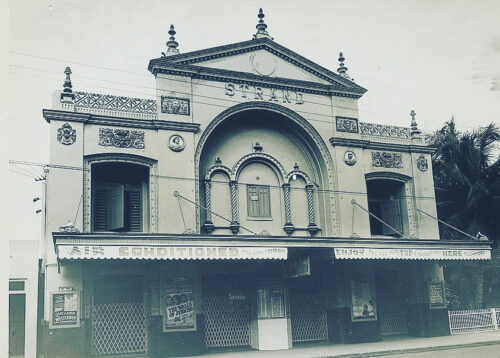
x: 117, y: 208
x: 258, y: 201
x: 391, y: 214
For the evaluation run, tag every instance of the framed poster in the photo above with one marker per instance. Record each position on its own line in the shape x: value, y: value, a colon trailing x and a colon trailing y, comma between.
x: 64, y: 309
x: 363, y: 302
x: 437, y: 294
x: 177, y: 306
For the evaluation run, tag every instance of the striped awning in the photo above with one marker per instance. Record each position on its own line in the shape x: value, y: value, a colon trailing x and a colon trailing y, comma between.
x: 411, y: 253
x: 168, y: 252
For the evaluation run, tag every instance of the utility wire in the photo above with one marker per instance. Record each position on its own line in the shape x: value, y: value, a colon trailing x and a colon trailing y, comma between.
x: 178, y: 195
x: 219, y: 182
x: 354, y: 202
x: 21, y: 173
x: 168, y: 79
x: 449, y: 225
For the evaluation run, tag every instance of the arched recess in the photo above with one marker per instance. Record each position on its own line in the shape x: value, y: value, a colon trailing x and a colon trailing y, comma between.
x: 152, y: 164
x: 407, y: 197
x: 326, y: 177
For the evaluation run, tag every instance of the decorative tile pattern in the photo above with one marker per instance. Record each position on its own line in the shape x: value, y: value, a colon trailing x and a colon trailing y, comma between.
x: 384, y: 131
x: 175, y: 105
x: 345, y: 124
x: 422, y: 163
x: 66, y: 134
x: 114, y: 103
x: 121, y: 138
x: 387, y: 160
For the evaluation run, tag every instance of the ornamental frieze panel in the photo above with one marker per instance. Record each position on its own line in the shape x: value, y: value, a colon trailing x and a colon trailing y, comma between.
x: 381, y: 130
x: 387, y: 160
x: 121, y: 138
x: 114, y: 103
x: 66, y: 134
x: 345, y: 124
x: 175, y: 105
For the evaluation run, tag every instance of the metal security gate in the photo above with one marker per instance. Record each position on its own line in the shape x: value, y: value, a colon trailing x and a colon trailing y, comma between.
x: 392, y: 319
x: 118, y: 328
x: 308, y: 318
x: 226, y: 322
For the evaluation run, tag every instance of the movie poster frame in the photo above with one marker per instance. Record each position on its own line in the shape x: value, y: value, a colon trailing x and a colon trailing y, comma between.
x: 52, y: 324
x: 172, y: 285
x: 371, y: 282
x: 441, y: 285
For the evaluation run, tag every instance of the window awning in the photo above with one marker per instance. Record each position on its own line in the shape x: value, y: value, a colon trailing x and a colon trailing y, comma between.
x: 411, y: 253
x: 168, y: 252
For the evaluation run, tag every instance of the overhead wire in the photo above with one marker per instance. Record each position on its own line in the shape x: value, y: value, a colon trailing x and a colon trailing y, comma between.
x: 172, y: 79
x: 170, y: 177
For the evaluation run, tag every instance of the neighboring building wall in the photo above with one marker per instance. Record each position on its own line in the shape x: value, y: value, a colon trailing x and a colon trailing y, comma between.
x: 23, y: 262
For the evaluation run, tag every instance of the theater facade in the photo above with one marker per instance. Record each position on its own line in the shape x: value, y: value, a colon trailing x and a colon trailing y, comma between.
x: 247, y: 205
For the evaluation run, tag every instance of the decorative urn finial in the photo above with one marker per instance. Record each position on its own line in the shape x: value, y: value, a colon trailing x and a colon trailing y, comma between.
x: 414, y: 127
x: 171, y: 43
x: 342, y: 70
x: 261, y: 27
x: 67, y: 96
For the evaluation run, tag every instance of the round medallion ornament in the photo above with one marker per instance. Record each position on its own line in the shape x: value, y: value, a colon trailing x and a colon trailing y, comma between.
x: 176, y: 143
x: 350, y: 158
x: 422, y: 163
x: 263, y: 63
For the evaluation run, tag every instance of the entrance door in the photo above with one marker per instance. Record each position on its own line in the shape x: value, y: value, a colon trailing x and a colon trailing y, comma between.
x: 227, y: 311
x: 307, y: 310
x: 118, y: 316
x: 17, y: 319
x: 391, y: 307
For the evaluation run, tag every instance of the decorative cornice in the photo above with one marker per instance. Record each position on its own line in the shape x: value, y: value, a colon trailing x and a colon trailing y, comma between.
x: 366, y: 144
x: 57, y: 115
x: 221, y: 75
x: 253, y: 45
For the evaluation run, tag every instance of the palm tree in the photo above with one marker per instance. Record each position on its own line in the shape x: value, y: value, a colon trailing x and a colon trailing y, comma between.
x: 467, y: 180
x: 466, y: 170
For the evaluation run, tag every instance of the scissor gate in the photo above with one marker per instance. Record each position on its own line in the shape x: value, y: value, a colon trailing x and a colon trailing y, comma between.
x: 308, y: 318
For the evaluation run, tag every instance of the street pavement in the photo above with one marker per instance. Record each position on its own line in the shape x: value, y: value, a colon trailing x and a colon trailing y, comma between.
x: 491, y: 351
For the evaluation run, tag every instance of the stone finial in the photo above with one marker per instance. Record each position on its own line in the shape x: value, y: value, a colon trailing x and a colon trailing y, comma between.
x: 342, y: 70
x: 67, y: 82
x: 295, y: 166
x: 261, y: 27
x: 171, y: 43
x: 414, y: 127
x: 218, y: 160
x: 67, y: 96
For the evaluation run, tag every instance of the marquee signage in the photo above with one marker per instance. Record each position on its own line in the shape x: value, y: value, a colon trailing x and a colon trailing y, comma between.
x: 169, y: 252
x: 413, y: 254
x: 258, y: 93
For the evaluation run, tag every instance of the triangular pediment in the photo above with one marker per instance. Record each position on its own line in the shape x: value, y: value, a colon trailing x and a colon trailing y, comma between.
x: 260, y: 58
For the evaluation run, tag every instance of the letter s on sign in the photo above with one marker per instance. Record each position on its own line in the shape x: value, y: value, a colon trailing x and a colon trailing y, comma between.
x: 229, y: 89
x: 123, y: 251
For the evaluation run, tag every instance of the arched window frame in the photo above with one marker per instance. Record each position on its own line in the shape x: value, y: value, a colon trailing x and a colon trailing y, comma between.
x: 89, y: 160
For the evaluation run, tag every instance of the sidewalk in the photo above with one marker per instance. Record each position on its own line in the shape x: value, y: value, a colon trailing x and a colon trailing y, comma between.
x: 387, y: 347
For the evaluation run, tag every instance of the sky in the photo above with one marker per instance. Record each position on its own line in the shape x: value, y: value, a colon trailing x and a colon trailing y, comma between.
x: 439, y: 58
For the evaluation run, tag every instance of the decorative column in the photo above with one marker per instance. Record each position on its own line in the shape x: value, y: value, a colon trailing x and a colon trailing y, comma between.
x: 289, y: 228
x: 208, y: 225
x: 235, y: 225
x: 312, y: 227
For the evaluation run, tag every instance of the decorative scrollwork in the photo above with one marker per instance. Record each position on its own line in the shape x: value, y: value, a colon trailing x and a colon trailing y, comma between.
x: 345, y: 124
x: 66, y: 134
x: 422, y: 163
x: 387, y: 160
x: 121, y: 138
x: 384, y: 131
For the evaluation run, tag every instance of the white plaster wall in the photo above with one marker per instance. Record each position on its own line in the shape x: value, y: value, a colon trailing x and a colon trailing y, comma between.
x: 23, y: 263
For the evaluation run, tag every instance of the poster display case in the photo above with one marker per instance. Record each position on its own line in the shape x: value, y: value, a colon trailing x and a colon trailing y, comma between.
x: 436, y: 294
x: 177, y: 305
x: 64, y: 309
x: 363, y: 300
